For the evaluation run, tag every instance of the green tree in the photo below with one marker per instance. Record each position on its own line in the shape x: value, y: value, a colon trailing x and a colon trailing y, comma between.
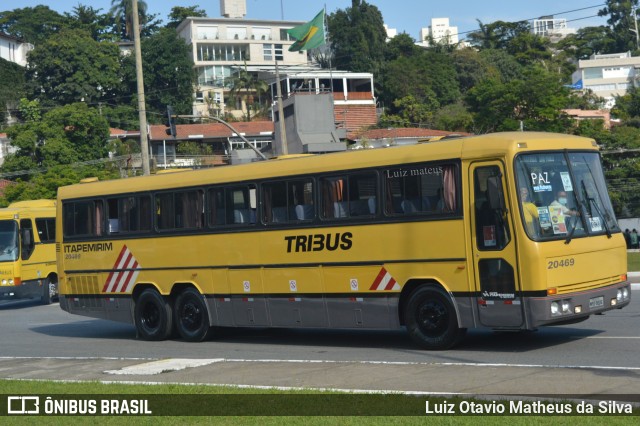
x: 70, y: 66
x: 179, y: 14
x: 32, y: 24
x: 498, y: 34
x: 588, y: 41
x: 427, y: 76
x: 535, y: 102
x: 528, y: 48
x: 97, y: 24
x: 622, y: 20
x: 244, y: 89
x: 628, y: 105
x: 29, y: 111
x: 12, y: 86
x: 358, y: 37
x: 45, y: 184
x: 454, y: 118
x: 402, y: 45
x: 122, y: 12
x: 64, y: 135
x: 169, y: 77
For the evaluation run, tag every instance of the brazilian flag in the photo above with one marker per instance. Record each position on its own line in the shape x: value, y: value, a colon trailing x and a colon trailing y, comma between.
x: 308, y: 35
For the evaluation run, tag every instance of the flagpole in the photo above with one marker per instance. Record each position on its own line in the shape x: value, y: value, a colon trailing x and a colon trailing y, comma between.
x: 326, y: 35
x: 283, y: 133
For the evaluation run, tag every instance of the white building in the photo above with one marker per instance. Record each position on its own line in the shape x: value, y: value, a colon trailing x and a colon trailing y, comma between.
x: 548, y: 26
x: 440, y: 31
x: 607, y: 76
x: 14, y: 50
x: 391, y: 32
x: 220, y: 47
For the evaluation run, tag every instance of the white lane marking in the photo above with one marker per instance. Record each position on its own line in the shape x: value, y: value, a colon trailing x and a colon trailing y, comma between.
x: 613, y: 337
x: 162, y: 366
x: 312, y: 361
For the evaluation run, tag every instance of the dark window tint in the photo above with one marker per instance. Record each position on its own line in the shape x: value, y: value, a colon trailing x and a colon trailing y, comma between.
x: 46, y: 229
x: 83, y: 218
x: 421, y: 189
x: 288, y: 201
x: 349, y: 196
x: 180, y: 210
x: 129, y: 214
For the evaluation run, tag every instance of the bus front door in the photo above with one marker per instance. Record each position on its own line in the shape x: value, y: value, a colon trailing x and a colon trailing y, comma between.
x: 497, y: 290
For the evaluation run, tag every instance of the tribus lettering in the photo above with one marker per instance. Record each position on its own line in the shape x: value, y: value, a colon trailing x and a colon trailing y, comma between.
x: 319, y: 242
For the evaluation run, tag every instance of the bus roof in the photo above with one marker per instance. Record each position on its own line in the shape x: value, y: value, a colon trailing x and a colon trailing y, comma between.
x: 493, y: 145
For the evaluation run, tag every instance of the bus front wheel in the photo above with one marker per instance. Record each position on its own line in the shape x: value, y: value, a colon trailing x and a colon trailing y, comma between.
x: 153, y: 316
x: 191, y: 315
x: 49, y: 291
x: 431, y: 319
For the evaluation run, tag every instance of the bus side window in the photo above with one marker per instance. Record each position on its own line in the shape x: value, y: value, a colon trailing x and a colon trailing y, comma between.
x: 46, y: 230
x: 83, y: 218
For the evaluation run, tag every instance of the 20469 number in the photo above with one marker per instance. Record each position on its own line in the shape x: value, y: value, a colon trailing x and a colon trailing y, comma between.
x: 563, y: 263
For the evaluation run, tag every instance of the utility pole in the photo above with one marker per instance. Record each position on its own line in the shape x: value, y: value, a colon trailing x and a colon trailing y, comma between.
x: 283, y: 132
x: 142, y: 109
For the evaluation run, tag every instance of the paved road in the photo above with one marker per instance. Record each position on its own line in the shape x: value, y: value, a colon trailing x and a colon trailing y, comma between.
x: 597, y: 357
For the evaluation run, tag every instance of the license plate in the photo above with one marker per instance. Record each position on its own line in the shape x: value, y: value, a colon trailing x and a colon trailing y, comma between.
x: 596, y: 302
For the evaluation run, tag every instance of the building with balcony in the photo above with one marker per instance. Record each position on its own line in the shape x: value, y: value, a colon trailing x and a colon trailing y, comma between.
x: 222, y: 47
x: 608, y: 75
x: 554, y: 28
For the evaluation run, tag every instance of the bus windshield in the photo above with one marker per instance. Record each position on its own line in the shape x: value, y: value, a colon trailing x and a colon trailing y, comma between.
x: 563, y: 196
x: 8, y: 241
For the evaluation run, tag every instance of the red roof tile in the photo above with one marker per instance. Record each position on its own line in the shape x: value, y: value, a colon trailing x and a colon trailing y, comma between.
x: 212, y: 130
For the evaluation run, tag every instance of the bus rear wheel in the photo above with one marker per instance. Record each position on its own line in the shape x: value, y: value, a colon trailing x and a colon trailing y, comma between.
x: 431, y: 319
x: 191, y: 315
x: 153, y: 316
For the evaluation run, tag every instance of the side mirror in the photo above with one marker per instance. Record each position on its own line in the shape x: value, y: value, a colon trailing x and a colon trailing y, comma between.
x: 495, y: 193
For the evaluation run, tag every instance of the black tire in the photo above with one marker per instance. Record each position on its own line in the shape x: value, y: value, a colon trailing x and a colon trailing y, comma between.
x: 431, y: 319
x: 153, y: 316
x: 49, y: 291
x: 191, y: 316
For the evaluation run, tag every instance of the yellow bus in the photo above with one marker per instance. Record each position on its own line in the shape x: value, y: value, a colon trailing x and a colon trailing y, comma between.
x: 27, y: 250
x: 432, y: 237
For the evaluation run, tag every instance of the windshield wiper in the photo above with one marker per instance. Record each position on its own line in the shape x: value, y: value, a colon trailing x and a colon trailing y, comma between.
x: 573, y: 229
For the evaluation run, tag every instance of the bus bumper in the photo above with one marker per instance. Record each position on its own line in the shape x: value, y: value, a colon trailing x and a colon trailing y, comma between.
x: 567, y: 308
x: 26, y: 290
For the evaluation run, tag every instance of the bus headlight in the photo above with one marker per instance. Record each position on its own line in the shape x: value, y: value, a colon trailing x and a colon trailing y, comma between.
x: 555, y: 308
x: 619, y: 295
x: 565, y: 307
x: 625, y: 293
x: 4, y: 282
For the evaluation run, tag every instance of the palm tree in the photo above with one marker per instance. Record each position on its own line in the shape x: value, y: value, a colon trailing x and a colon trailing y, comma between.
x: 243, y: 88
x: 121, y: 11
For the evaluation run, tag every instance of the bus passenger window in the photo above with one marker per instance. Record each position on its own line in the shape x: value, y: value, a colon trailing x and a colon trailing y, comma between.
x: 83, y: 218
x: 420, y: 189
x: 351, y: 196
x: 46, y: 230
x: 215, y: 199
x: 240, y: 207
x: 274, y: 197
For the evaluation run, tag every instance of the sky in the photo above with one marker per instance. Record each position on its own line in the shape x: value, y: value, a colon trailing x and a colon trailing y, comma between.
x: 404, y: 15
